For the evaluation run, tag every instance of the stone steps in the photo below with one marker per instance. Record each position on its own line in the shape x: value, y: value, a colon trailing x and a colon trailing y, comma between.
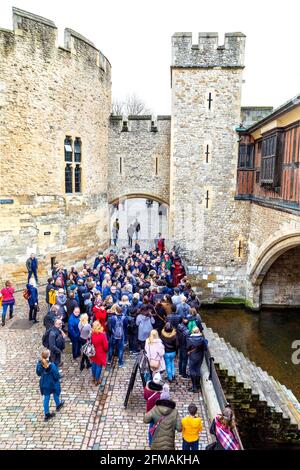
x: 280, y: 401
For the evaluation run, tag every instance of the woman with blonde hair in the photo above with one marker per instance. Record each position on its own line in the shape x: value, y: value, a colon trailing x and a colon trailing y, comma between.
x: 49, y: 383
x: 155, y: 351
x: 99, y: 340
x: 85, y: 335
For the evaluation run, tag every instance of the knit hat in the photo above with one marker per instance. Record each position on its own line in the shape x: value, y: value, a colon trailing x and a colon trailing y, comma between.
x: 165, y: 394
x: 156, y: 378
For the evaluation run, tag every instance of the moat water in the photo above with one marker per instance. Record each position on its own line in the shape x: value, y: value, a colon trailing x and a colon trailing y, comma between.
x: 265, y: 338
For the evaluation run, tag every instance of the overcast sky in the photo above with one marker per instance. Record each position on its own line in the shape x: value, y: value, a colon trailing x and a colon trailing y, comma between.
x: 135, y: 35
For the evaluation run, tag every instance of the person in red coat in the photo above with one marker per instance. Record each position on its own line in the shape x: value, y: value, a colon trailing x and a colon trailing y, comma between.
x: 178, y: 272
x: 99, y: 340
x: 152, y: 391
x: 100, y: 314
x: 161, y: 244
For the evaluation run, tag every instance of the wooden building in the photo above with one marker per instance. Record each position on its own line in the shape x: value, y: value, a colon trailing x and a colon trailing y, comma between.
x: 268, y: 170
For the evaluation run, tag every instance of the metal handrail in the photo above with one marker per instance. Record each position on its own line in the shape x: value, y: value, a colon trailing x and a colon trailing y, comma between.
x: 213, y: 376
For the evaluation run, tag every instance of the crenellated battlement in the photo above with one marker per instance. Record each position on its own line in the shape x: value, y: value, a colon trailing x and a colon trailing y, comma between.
x: 140, y: 123
x: 42, y: 33
x: 208, y: 52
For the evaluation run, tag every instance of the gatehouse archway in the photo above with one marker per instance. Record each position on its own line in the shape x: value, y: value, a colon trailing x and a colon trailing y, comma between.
x: 275, y: 276
x: 144, y: 210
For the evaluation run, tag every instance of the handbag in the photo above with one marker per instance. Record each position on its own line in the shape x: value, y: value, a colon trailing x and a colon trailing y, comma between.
x: 26, y: 294
x: 154, y: 428
x: 88, y: 349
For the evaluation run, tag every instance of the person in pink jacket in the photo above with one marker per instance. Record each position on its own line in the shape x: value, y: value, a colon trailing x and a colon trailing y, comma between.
x: 8, y: 300
x: 155, y: 352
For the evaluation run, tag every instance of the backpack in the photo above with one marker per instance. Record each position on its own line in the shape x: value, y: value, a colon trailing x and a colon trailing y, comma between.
x: 118, y: 330
x: 26, y: 294
x: 191, y: 325
x: 52, y: 296
x: 45, y: 339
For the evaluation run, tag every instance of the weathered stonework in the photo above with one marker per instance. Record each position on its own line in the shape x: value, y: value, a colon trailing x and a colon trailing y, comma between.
x: 46, y: 93
x: 187, y: 160
x: 281, y: 285
x: 138, y: 148
x: 204, y: 218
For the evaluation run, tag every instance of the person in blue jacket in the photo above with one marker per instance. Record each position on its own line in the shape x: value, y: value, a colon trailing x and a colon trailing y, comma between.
x: 49, y: 383
x: 74, y: 333
x: 33, y: 300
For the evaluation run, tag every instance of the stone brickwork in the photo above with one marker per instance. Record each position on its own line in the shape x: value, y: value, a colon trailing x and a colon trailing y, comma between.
x: 46, y: 93
x: 272, y: 233
x: 140, y: 173
x: 204, y: 218
x: 281, y: 285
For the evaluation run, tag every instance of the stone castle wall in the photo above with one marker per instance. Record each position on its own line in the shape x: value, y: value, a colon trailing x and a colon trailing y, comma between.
x: 271, y: 233
x: 205, y: 219
x: 46, y: 93
x: 139, y: 148
x: 281, y: 285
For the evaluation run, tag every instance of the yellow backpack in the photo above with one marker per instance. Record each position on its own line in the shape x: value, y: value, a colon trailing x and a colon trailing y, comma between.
x: 52, y: 296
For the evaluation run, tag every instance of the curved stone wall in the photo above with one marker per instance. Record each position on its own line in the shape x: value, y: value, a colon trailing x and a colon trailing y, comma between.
x: 46, y: 93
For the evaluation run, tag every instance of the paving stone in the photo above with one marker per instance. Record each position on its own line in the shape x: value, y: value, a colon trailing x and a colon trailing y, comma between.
x: 92, y: 418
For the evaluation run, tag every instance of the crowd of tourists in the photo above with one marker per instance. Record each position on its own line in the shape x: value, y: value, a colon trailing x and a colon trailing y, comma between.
x: 133, y: 303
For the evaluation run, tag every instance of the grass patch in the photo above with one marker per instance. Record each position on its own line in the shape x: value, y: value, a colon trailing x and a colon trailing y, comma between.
x: 232, y: 300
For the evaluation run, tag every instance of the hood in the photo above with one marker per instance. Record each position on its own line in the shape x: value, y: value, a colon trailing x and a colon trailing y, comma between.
x: 154, y: 387
x: 165, y: 407
x: 168, y: 335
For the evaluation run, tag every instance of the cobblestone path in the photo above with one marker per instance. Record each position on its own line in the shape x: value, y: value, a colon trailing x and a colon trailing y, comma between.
x: 92, y: 418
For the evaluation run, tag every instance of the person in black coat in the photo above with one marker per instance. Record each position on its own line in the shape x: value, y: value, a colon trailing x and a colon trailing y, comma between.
x: 56, y: 342
x: 50, y: 317
x: 82, y: 290
x: 33, y: 300
x: 196, y: 346
x: 160, y: 317
x: 183, y: 334
x: 71, y: 304
x: 174, y: 318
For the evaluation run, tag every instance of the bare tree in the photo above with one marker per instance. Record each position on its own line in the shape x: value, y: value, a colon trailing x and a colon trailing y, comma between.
x: 132, y: 105
x: 117, y: 107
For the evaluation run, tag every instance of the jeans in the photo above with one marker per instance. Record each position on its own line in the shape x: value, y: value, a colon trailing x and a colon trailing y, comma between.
x: 75, y: 347
x: 32, y: 272
x: 133, y: 340
x: 190, y: 445
x: 170, y: 364
x: 183, y: 360
x: 117, y: 344
x: 96, y: 371
x: 32, y: 312
x: 47, y: 400
x: 84, y: 359
x: 4, y: 311
x: 55, y: 357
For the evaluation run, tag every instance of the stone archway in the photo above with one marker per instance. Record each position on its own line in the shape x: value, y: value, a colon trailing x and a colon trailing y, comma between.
x: 269, y: 254
x: 149, y: 211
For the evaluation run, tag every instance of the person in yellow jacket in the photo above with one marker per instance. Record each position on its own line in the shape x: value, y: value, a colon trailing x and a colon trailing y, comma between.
x: 191, y: 429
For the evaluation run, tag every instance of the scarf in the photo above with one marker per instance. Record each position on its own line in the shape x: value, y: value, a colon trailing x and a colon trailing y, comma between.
x: 225, y: 437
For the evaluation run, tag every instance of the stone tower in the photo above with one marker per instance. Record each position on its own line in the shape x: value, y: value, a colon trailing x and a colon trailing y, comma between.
x: 205, y: 220
x: 55, y: 104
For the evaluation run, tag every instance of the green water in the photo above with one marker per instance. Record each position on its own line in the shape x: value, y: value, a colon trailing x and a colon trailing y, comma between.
x: 265, y: 337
